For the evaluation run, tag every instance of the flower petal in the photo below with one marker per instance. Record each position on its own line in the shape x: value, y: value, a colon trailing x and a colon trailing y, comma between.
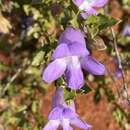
x: 80, y: 124
x: 54, y: 70
x: 72, y: 106
x: 118, y: 73
x: 66, y: 124
x: 92, y: 66
x: 51, y: 125
x: 78, y: 2
x: 86, y: 4
x: 56, y: 113
x: 89, y: 12
x: 68, y: 113
x: 71, y: 35
x: 99, y: 3
x: 61, y: 51
x: 74, y: 74
x: 58, y: 98
x: 126, y: 30
x: 78, y: 49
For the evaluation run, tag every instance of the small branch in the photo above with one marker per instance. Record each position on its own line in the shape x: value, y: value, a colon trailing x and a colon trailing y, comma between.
x: 14, y: 77
x: 113, y: 79
x: 120, y: 65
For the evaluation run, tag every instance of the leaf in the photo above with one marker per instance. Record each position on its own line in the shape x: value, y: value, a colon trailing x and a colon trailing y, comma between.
x: 4, y: 68
x: 59, y: 81
x: 106, y: 21
x: 101, y: 21
x: 97, y: 95
x: 34, y: 106
x: 5, y: 25
x: 128, y: 118
x: 110, y: 95
x: 68, y: 95
x: 86, y: 89
x: 38, y: 59
x: 22, y: 108
x: 119, y: 115
x: 98, y: 23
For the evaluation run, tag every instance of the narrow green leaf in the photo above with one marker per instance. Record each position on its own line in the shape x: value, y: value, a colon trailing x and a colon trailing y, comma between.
x: 86, y: 89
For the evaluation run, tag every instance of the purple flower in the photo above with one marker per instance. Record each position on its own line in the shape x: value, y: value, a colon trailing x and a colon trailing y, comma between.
x: 70, y: 57
x: 118, y: 72
x: 89, y: 6
x: 126, y: 30
x: 63, y: 114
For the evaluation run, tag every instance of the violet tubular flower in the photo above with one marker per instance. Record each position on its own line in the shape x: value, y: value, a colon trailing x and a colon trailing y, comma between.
x: 70, y: 56
x: 89, y: 6
x: 64, y: 115
x: 118, y: 71
x: 126, y: 30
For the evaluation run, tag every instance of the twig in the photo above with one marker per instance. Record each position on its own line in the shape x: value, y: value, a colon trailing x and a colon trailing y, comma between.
x: 113, y: 79
x: 12, y: 80
x: 125, y: 87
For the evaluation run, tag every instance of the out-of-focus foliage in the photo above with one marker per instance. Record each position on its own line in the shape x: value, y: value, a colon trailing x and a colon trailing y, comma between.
x: 29, y: 30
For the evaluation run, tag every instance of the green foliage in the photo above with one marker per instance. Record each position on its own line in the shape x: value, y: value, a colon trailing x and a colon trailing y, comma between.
x: 69, y: 95
x: 110, y: 95
x: 97, y: 95
x: 38, y: 59
x: 86, y: 89
x: 98, y: 23
x: 119, y: 115
x: 101, y: 21
x: 4, y: 68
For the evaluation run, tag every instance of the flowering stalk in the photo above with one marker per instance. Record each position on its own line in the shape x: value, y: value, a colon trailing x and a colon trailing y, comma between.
x: 126, y: 30
x: 64, y: 114
x: 69, y: 58
x: 125, y: 84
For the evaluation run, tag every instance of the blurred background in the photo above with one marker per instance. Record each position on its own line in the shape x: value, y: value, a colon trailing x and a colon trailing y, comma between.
x: 29, y: 30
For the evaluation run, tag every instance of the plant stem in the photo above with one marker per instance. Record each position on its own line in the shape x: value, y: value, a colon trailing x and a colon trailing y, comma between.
x: 125, y: 84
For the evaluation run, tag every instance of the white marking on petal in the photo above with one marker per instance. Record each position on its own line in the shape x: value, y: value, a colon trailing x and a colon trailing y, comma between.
x: 65, y: 123
x: 87, y: 4
x: 73, y: 61
x: 61, y: 61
